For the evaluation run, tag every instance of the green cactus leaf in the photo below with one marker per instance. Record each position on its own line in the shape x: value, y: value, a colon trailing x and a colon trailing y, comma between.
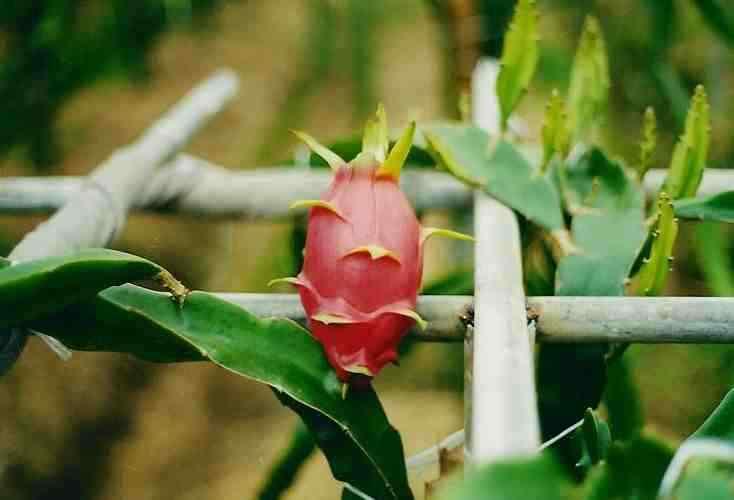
x: 527, y: 478
x: 31, y: 289
x: 654, y: 271
x: 689, y: 155
x: 633, y: 469
x: 589, y: 88
x: 648, y: 142
x: 704, y: 477
x: 519, y: 58
x: 718, y: 207
x: 608, y: 230
x: 720, y: 424
x: 711, y: 245
x: 717, y: 14
x: 362, y: 448
x: 608, y: 226
x: 622, y: 400
x: 499, y: 169
x: 555, y: 130
x: 596, y: 438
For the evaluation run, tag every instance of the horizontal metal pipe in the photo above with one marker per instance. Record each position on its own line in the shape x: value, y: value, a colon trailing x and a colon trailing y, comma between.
x: 189, y: 185
x: 694, y: 320
x: 193, y: 186
x: 443, y: 313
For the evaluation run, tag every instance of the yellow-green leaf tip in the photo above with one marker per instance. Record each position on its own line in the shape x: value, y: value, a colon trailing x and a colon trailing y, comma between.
x: 519, y: 58
x: 554, y: 133
x: 588, y: 91
x: 427, y: 232
x: 691, y: 150
x: 375, y: 138
x: 654, y: 271
x: 395, y: 161
x: 334, y: 160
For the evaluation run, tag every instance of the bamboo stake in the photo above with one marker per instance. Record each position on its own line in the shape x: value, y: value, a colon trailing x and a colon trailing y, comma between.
x: 193, y: 186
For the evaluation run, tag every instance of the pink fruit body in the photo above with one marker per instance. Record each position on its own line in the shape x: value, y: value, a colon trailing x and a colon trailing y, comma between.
x: 362, y: 270
x: 364, y: 258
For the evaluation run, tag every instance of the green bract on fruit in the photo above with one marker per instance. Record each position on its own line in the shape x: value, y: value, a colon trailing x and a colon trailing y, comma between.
x: 364, y: 256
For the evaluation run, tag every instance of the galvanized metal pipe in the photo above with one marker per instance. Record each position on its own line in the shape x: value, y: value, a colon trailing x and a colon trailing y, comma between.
x: 192, y: 186
x: 644, y: 320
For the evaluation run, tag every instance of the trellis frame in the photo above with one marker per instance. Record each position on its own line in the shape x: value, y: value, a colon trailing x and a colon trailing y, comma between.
x: 501, y: 410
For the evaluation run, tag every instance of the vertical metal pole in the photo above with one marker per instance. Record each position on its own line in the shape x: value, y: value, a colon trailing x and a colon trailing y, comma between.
x: 501, y: 411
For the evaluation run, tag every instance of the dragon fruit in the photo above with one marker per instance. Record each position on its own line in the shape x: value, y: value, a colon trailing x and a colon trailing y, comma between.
x: 363, y: 260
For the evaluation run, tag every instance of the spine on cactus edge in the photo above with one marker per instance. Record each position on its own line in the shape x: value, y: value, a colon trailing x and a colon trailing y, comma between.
x: 363, y: 261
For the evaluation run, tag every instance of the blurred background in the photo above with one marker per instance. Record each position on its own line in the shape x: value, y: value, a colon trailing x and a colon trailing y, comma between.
x: 80, y: 79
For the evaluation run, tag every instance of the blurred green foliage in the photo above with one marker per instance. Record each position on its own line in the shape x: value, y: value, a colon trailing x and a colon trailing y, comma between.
x: 51, y: 49
x: 659, y: 50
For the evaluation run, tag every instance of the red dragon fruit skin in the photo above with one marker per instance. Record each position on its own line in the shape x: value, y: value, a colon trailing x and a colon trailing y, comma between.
x: 363, y: 260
